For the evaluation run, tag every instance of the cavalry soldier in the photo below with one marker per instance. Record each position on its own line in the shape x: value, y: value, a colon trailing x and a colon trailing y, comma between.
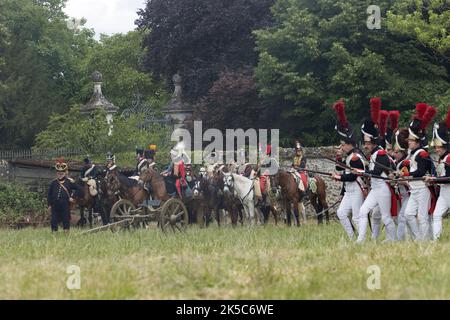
x: 110, y: 161
x: 89, y: 175
x: 140, y: 161
x: 353, y: 185
x: 381, y: 193
x: 417, y: 210
x: 177, y: 168
x: 59, y: 197
x: 441, y: 141
x: 298, y: 164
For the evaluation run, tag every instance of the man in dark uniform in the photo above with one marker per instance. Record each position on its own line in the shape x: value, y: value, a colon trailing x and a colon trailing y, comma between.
x: 89, y: 175
x: 60, y: 196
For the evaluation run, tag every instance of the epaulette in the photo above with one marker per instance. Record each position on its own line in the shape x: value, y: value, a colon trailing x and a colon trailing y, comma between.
x: 382, y: 153
x: 424, y: 154
x: 355, y: 157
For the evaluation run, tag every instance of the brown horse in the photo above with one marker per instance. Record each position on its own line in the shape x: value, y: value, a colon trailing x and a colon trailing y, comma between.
x: 292, y: 196
x: 84, y: 200
x: 319, y: 200
x: 154, y: 182
x: 129, y: 189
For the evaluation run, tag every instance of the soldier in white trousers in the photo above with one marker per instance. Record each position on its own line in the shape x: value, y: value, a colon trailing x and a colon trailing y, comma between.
x: 402, y: 164
x: 380, y: 193
x: 417, y: 209
x: 441, y: 142
x: 353, y: 185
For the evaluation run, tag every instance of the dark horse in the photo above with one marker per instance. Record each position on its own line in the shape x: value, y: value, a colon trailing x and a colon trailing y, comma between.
x: 292, y: 196
x: 129, y: 189
x: 85, y: 200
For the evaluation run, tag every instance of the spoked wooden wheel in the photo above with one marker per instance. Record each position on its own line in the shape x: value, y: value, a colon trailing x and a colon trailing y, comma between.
x: 121, y: 210
x: 174, y: 215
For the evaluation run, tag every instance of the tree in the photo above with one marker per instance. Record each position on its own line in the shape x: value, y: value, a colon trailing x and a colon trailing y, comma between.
x: 321, y: 51
x: 119, y: 58
x: 233, y: 102
x: 90, y: 134
x: 200, y: 38
x: 427, y: 21
x: 40, y: 67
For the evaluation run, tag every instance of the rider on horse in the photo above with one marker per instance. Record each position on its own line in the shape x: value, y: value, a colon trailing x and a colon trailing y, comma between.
x: 145, y: 159
x: 298, y: 165
x: 89, y: 175
x: 177, y: 168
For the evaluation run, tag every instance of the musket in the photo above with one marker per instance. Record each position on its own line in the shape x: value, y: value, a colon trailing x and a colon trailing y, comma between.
x: 318, y: 172
x: 365, y: 174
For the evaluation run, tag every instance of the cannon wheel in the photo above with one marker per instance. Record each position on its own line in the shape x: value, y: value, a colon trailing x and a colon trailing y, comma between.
x: 174, y: 215
x: 122, y: 208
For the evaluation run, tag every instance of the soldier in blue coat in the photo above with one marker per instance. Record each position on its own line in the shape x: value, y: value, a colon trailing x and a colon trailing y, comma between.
x: 60, y: 196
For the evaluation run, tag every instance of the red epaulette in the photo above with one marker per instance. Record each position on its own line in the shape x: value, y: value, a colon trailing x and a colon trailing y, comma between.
x: 382, y: 153
x: 406, y: 163
x: 424, y: 154
x: 448, y: 160
x: 355, y: 157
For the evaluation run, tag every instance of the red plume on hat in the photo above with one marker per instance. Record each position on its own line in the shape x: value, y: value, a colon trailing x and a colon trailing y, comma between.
x: 375, y: 108
x: 447, y: 119
x: 394, y: 117
x: 428, y: 117
x: 339, y: 107
x: 421, y: 108
x: 384, y: 115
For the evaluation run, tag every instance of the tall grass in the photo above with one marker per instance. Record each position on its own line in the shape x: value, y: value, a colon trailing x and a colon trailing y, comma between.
x: 273, y: 262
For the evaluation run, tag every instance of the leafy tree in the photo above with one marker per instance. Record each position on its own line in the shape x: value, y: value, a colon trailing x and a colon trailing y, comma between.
x: 200, y: 38
x: 40, y: 67
x: 233, y: 102
x: 119, y: 59
x: 427, y: 21
x: 90, y: 134
x: 320, y: 51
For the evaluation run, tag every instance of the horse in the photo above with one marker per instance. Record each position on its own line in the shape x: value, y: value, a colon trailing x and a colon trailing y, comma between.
x: 84, y: 200
x: 318, y: 200
x: 291, y: 196
x: 241, y: 188
x: 129, y: 189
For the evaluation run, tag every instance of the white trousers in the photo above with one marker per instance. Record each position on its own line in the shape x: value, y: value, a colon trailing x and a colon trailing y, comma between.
x: 350, y: 204
x: 401, y: 219
x: 416, y: 213
x: 442, y: 206
x: 381, y: 197
x: 376, y: 222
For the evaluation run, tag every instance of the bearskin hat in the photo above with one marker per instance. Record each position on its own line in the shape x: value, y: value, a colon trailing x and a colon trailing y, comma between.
x: 441, y: 132
x: 370, y: 127
x: 343, y: 127
x: 423, y: 117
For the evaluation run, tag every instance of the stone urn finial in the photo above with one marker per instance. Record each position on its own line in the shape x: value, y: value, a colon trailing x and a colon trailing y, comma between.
x: 97, y: 76
x: 178, y: 92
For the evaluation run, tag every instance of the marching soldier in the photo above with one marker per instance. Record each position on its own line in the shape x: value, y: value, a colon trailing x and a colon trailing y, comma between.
x: 59, y: 197
x: 380, y: 193
x: 441, y: 142
x: 353, y: 185
x: 402, y: 164
x: 417, y: 210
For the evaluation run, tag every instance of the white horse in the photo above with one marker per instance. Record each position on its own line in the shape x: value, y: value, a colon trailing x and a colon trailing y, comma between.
x: 242, y: 188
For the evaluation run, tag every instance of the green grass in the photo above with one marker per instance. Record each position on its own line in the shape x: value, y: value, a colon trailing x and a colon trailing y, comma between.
x: 243, y: 263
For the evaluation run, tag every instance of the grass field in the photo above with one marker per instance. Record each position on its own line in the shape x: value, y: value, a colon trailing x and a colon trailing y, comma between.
x: 243, y: 263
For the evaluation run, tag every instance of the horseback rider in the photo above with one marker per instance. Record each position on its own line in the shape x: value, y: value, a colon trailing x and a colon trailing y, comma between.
x: 110, y: 161
x: 298, y: 165
x: 89, y: 175
x: 177, y: 167
x: 59, y: 197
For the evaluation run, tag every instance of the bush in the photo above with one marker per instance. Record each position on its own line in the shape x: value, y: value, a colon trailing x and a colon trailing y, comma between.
x: 19, y: 207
